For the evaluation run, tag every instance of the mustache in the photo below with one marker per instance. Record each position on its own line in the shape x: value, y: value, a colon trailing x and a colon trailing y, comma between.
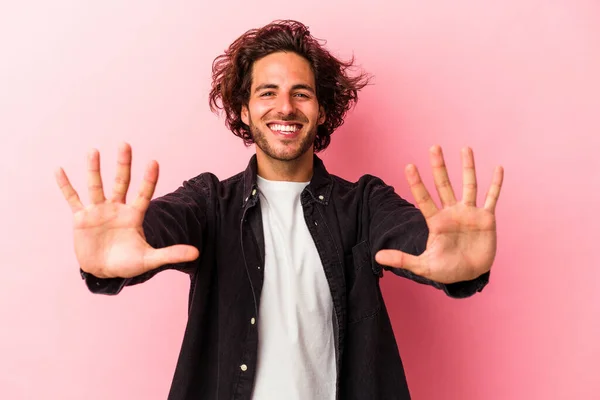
x: 295, y: 117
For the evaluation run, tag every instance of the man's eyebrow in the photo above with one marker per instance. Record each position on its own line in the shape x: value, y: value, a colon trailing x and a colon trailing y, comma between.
x: 303, y: 86
x: 266, y: 86
x: 274, y: 86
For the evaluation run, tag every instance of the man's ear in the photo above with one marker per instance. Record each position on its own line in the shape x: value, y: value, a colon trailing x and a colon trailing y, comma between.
x: 244, y: 115
x: 322, y: 116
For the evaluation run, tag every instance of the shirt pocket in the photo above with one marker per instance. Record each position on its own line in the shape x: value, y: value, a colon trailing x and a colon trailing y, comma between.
x: 364, y: 299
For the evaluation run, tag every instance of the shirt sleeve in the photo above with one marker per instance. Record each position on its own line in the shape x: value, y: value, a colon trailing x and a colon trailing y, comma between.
x: 179, y: 217
x: 397, y: 224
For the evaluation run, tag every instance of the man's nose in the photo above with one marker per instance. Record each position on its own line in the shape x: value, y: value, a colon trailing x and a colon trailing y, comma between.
x: 285, y: 105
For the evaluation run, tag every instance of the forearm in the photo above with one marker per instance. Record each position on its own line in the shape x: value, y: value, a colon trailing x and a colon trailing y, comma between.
x: 176, y: 218
x: 396, y: 224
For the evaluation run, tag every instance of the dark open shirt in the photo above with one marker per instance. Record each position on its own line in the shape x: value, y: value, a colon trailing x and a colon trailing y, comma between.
x: 348, y: 221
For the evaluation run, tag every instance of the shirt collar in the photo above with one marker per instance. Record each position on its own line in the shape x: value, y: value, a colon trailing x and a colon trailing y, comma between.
x: 319, y: 187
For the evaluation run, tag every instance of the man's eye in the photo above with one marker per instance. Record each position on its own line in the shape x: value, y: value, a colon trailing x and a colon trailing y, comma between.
x: 302, y: 95
x: 265, y: 94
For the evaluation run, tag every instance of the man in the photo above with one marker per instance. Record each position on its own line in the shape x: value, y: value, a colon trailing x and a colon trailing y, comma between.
x: 284, y: 259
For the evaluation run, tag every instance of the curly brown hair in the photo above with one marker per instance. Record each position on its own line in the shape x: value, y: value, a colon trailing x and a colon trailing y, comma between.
x: 337, y: 91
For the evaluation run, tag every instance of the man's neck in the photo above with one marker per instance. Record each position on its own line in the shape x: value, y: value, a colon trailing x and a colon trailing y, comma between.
x: 298, y: 170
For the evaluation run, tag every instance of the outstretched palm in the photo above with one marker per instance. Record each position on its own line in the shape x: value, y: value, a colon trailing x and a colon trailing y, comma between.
x: 108, y: 235
x: 462, y: 238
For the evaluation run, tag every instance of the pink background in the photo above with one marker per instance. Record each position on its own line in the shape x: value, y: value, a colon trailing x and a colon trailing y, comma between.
x: 517, y: 80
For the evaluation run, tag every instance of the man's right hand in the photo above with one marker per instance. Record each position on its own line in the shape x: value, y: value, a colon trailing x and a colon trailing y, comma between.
x: 108, y: 235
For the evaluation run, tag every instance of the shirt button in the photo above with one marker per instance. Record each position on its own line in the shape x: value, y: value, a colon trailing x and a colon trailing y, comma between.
x: 321, y: 197
x: 252, y: 321
x: 253, y: 192
x: 243, y: 367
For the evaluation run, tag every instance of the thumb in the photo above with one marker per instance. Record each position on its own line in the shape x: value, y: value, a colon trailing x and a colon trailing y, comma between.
x: 400, y: 259
x: 175, y: 254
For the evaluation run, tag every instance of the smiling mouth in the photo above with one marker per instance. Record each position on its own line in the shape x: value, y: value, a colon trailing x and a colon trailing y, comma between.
x: 285, y: 129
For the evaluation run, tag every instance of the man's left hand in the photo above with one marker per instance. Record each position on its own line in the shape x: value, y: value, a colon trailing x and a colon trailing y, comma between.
x: 462, y: 238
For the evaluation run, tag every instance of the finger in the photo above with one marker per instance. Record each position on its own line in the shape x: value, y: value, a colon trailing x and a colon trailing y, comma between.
x: 440, y: 176
x: 494, y: 193
x: 147, y: 188
x: 123, y: 175
x: 175, y: 254
x: 399, y: 259
x: 469, y: 178
x: 95, y: 189
x: 419, y: 191
x: 67, y: 190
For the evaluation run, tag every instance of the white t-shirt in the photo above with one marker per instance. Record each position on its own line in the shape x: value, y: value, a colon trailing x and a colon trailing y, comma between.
x: 296, y: 350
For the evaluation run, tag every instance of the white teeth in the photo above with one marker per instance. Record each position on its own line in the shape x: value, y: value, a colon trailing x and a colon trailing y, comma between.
x: 284, y: 128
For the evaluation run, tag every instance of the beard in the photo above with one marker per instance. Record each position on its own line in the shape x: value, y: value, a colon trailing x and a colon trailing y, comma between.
x: 281, y: 150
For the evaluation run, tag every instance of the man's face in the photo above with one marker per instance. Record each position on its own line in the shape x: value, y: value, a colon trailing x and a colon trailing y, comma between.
x: 283, y: 112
